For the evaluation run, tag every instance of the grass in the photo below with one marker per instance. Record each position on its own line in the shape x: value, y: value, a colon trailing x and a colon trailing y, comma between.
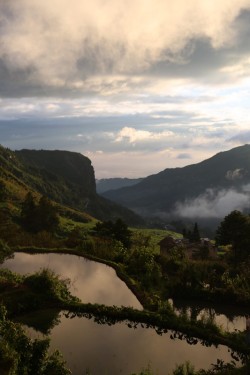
x: 68, y: 224
x: 156, y: 236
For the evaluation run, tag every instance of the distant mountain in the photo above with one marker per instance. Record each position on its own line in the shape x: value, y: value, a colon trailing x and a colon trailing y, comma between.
x: 106, y: 184
x: 65, y: 177
x: 209, y: 189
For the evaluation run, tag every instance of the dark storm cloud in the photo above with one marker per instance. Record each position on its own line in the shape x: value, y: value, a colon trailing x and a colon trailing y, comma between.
x: 76, y: 49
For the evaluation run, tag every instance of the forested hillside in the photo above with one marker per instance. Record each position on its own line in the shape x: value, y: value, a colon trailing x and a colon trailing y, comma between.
x: 66, y: 178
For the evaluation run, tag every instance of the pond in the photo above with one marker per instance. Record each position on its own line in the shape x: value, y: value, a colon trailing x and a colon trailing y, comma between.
x: 106, y: 349
x: 230, y: 318
x: 90, y: 281
x: 119, y: 350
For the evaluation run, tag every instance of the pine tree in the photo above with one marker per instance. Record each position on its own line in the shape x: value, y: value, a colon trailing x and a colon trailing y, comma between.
x: 195, y: 234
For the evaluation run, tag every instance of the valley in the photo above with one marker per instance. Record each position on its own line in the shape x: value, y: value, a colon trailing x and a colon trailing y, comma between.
x: 50, y: 208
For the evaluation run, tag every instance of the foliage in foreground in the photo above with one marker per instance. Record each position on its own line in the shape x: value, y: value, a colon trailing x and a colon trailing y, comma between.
x: 220, y: 368
x: 20, y: 355
x: 5, y: 251
x: 234, y: 230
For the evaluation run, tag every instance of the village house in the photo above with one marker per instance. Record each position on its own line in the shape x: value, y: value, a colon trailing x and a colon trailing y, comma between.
x: 192, y: 249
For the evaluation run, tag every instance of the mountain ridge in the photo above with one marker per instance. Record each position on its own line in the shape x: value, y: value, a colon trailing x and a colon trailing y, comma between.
x: 106, y: 184
x: 160, y: 193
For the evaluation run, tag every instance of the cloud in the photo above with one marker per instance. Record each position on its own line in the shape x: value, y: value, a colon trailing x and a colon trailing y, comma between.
x: 147, y: 80
x: 214, y: 203
x: 132, y: 135
x: 243, y: 137
x: 183, y: 155
x: 235, y: 174
x: 60, y: 44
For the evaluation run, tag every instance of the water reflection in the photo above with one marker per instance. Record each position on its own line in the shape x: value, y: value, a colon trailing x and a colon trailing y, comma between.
x: 90, y: 281
x: 230, y: 318
x: 106, y: 348
x: 96, y: 283
x: 115, y: 349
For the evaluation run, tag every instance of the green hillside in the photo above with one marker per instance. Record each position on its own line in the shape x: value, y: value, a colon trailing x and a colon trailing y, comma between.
x: 69, y: 179
x: 66, y: 178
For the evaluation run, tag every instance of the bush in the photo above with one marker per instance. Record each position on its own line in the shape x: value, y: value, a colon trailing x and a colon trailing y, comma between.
x: 5, y: 251
x: 47, y: 282
x: 20, y: 355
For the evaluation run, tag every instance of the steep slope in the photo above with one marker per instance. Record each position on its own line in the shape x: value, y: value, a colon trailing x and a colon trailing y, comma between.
x: 68, y: 178
x: 16, y: 182
x: 162, y: 193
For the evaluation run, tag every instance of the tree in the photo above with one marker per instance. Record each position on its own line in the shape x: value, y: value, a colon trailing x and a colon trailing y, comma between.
x: 141, y: 263
x: 29, y: 213
x: 47, y: 216
x: 5, y: 251
x: 235, y: 230
x: 39, y: 217
x: 196, y: 233
x: 21, y: 355
x: 117, y: 230
x: 122, y: 233
x: 192, y: 235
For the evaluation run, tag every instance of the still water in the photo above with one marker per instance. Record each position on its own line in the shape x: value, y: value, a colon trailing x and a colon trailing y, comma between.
x: 230, y: 318
x: 117, y: 349
x: 90, y: 281
x: 107, y: 349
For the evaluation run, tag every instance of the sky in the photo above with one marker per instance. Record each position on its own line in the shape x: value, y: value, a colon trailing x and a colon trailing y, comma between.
x: 137, y: 86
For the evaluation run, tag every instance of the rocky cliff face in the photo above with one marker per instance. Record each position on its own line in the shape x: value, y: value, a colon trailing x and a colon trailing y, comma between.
x: 69, y: 179
x: 72, y: 167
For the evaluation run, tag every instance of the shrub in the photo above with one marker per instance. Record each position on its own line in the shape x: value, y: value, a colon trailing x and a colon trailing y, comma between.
x: 5, y: 251
x: 47, y: 282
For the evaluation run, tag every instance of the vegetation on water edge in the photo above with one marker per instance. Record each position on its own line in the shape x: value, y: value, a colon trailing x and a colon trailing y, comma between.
x: 203, y: 331
x: 44, y: 289
x: 152, y: 277
x: 47, y: 283
x: 220, y: 368
x: 20, y: 355
x: 51, y: 291
x: 20, y: 294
